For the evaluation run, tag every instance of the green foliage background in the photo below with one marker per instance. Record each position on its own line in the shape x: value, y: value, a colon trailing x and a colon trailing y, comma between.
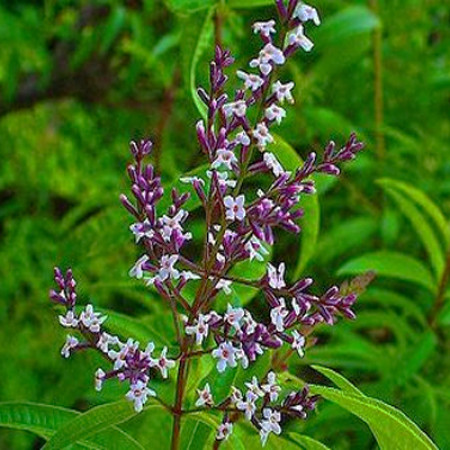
x: 78, y: 80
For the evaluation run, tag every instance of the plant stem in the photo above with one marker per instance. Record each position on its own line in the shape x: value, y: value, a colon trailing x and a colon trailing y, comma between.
x: 177, y: 410
x: 440, y: 297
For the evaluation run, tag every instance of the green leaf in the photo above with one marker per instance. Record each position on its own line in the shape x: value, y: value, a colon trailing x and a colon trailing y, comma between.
x: 340, y: 381
x: 391, y: 428
x: 392, y: 265
x: 91, y: 422
x: 291, y: 160
x: 113, y: 27
x: 188, y: 6
x: 424, y: 202
x: 241, y: 4
x: 422, y: 228
x: 45, y: 420
x: 307, y: 443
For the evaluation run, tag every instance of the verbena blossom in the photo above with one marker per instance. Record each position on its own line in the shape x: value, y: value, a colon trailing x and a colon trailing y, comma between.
x: 240, y: 227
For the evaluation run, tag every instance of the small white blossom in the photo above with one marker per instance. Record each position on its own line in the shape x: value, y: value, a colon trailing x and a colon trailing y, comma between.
x: 224, y: 157
x: 283, y: 91
x: 164, y: 364
x: 298, y: 38
x: 248, y: 406
x: 226, y: 355
x: 204, y: 397
x: 278, y: 314
x: 188, y: 275
x: 167, y: 270
x: 276, y: 277
x: 224, y: 285
x: 273, y: 164
x: 70, y: 344
x: 264, y: 28
x: 169, y: 224
x: 236, y: 395
x: 237, y: 108
x: 105, y: 340
x: 242, y: 138
x: 139, y: 393
x: 99, y: 379
x: 142, y: 229
x: 222, y: 179
x: 256, y: 249
x: 200, y: 329
x: 272, y: 387
x: 137, y: 270
x: 251, y: 81
x: 271, y: 424
x: 262, y: 136
x: 224, y: 431
x: 235, y: 207
x: 242, y: 358
x: 269, y: 54
x: 91, y: 319
x: 298, y: 343
x: 69, y: 320
x: 234, y: 316
x: 305, y: 12
x: 249, y: 322
x: 254, y: 387
x: 190, y: 180
x: 276, y: 113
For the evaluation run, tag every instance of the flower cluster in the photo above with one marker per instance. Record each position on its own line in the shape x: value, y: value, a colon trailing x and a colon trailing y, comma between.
x: 236, y: 137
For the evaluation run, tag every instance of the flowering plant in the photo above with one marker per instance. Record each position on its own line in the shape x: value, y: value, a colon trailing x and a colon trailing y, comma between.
x: 236, y: 138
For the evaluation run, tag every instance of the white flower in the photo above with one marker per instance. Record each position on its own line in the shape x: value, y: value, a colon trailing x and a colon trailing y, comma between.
x: 69, y: 320
x: 251, y: 81
x: 141, y: 229
x: 298, y: 38
x: 204, y: 396
x: 262, y: 136
x: 71, y: 343
x: 191, y: 180
x: 167, y: 270
x: 164, y: 364
x: 119, y: 357
x: 276, y: 277
x: 99, y: 379
x: 234, y: 207
x: 248, y: 405
x: 236, y: 395
x: 264, y: 28
x: 224, y: 431
x: 138, y: 394
x: 105, y: 340
x: 224, y: 285
x: 200, y: 329
x: 233, y: 316
x: 270, y: 424
x: 255, y: 249
x: 283, y: 91
x: 137, y: 270
x: 237, y: 108
x: 149, y: 349
x: 224, y: 157
x: 305, y: 12
x: 169, y: 224
x: 226, y: 355
x: 275, y: 113
x: 242, y: 138
x: 254, y: 388
x: 271, y: 387
x: 278, y: 314
x: 249, y: 322
x: 92, y: 320
x: 222, y: 178
x: 267, y: 55
x: 242, y: 357
x: 298, y: 343
x: 273, y: 164
x: 188, y: 275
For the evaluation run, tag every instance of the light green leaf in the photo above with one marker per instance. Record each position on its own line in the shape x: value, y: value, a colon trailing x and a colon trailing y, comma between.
x: 391, y: 428
x: 45, y: 420
x: 340, y: 381
x: 307, y: 443
x: 423, y: 201
x: 188, y: 6
x: 422, y: 228
x: 392, y: 265
x: 91, y: 422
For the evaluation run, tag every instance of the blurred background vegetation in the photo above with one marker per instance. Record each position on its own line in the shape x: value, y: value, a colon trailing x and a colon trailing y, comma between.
x: 79, y: 79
